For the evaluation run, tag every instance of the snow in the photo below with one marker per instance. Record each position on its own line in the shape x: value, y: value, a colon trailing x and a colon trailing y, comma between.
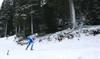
x: 1, y: 3
x: 87, y: 47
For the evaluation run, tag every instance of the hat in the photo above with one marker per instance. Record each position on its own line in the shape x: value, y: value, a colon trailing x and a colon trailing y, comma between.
x: 36, y: 34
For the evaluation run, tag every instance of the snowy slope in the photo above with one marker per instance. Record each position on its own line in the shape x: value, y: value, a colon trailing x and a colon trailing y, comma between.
x: 88, y: 47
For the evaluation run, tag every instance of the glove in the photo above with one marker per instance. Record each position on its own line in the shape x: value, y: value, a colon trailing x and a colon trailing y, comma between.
x: 33, y: 38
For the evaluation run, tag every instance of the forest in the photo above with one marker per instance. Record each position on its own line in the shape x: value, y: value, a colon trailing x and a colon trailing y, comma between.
x: 47, y: 16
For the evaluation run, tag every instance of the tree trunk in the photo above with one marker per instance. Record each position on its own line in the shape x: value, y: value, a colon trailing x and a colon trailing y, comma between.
x: 24, y: 28
x: 31, y: 19
x: 19, y: 30
x: 72, y: 14
x: 16, y: 30
x: 31, y: 24
x: 6, y: 28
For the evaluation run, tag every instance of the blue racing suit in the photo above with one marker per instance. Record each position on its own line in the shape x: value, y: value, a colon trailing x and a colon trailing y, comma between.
x: 31, y: 40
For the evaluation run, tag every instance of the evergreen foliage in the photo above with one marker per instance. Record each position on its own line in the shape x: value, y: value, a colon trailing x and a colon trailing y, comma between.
x: 48, y: 15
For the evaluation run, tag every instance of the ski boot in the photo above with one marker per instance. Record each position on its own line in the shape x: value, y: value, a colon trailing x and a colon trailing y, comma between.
x: 31, y: 48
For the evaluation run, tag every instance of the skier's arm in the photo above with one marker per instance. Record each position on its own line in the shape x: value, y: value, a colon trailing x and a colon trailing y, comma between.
x: 33, y: 39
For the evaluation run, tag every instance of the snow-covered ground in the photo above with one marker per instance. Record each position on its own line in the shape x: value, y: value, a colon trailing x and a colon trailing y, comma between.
x: 87, y: 47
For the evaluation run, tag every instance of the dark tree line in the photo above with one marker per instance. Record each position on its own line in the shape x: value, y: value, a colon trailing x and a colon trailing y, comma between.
x: 45, y: 16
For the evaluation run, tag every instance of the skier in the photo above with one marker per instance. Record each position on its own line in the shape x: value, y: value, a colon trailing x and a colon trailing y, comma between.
x: 31, y: 39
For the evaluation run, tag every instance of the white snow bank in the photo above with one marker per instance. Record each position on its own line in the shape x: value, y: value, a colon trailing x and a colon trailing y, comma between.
x: 87, y: 47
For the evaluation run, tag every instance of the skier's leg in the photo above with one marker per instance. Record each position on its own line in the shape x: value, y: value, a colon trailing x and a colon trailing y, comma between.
x: 28, y: 45
x: 32, y: 46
